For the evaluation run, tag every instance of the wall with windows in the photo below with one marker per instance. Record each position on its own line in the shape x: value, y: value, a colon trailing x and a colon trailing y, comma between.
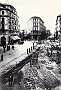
x: 8, y: 20
x: 58, y: 24
x: 36, y: 26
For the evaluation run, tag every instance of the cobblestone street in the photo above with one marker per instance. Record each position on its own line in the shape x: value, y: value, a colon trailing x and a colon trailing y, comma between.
x: 47, y: 77
x: 48, y: 74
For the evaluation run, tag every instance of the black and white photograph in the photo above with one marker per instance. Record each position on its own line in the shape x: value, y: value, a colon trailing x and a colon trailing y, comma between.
x: 30, y: 44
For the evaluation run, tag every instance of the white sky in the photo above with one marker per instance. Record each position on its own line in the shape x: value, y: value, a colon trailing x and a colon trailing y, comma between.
x: 46, y: 9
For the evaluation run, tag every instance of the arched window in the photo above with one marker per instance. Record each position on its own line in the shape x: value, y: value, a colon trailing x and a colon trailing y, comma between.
x: 3, y: 41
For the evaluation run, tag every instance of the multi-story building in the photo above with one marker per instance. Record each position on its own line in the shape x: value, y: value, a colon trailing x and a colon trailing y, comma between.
x: 48, y: 33
x: 8, y: 21
x: 36, y: 26
x: 58, y: 24
x: 58, y: 28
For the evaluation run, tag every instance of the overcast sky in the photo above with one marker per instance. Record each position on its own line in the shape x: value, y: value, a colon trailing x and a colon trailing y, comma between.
x: 46, y: 9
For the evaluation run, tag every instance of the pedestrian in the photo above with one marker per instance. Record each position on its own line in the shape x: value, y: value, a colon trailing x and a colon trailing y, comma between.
x: 2, y: 57
x: 51, y: 51
x: 47, y: 51
x: 12, y: 42
x: 10, y: 79
x: 13, y: 47
x: 57, y: 53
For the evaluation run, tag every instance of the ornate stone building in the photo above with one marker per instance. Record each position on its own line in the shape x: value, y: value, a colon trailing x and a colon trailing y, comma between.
x: 58, y: 24
x: 9, y: 23
x: 58, y: 28
x: 36, y: 26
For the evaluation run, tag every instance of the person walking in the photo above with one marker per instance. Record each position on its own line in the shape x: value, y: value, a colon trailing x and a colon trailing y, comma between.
x: 10, y: 79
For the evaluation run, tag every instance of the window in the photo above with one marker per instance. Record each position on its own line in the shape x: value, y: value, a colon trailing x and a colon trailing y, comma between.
x: 35, y: 20
x: 3, y: 23
x: 15, y: 22
x: 9, y: 26
x: 35, y: 24
x: 60, y: 23
x: 2, y: 20
x: 60, y: 28
x: 4, y: 6
x: 15, y: 27
x: 35, y: 28
x: 60, y: 18
x: 2, y: 12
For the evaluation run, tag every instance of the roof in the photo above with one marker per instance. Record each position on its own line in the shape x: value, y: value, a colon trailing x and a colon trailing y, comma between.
x: 58, y: 16
x: 6, y: 4
x: 36, y: 17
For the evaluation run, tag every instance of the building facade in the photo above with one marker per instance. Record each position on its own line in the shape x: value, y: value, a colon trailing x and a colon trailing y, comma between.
x: 58, y: 28
x: 36, y: 26
x: 9, y: 23
x: 58, y: 24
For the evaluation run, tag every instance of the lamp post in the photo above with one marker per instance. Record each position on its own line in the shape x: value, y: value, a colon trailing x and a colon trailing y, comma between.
x: 12, y: 41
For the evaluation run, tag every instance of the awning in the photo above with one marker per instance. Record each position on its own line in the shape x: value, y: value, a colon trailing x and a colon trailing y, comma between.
x: 15, y: 38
